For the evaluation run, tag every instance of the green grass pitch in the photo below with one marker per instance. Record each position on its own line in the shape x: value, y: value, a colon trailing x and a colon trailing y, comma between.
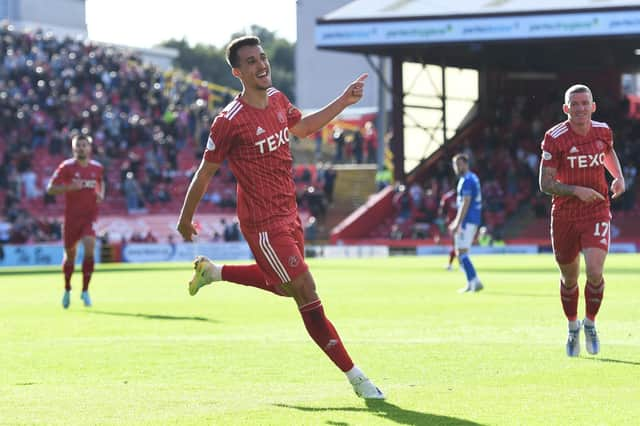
x: 149, y: 354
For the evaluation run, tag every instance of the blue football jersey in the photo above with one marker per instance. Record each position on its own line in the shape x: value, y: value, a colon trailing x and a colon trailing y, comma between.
x: 469, y: 185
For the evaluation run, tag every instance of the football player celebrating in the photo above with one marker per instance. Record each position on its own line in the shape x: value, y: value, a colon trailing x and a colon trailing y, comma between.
x: 252, y: 133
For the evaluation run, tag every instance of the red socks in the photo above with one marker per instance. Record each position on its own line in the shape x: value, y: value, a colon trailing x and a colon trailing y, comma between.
x: 249, y: 275
x: 452, y: 255
x: 67, y: 268
x: 87, y: 270
x: 569, y: 298
x: 325, y: 335
x: 593, y: 297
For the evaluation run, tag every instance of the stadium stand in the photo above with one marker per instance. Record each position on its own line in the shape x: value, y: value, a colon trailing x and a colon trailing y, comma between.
x: 149, y: 125
x: 143, y: 121
x: 504, y: 152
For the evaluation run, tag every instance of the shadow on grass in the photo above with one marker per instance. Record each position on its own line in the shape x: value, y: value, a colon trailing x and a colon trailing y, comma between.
x: 150, y: 316
x: 389, y: 411
x: 614, y: 361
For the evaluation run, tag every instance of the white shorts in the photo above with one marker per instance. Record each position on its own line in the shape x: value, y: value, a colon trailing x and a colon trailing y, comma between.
x: 465, y: 235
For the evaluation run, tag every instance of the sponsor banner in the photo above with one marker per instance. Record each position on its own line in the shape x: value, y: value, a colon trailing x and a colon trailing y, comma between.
x: 623, y: 248
x: 184, y: 252
x: 347, y: 251
x: 431, y: 30
x: 39, y: 254
x: 508, y: 249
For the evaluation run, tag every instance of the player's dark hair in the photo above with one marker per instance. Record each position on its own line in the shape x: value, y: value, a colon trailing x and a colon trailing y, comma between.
x: 576, y: 88
x: 235, y: 45
x: 462, y: 156
x: 81, y: 137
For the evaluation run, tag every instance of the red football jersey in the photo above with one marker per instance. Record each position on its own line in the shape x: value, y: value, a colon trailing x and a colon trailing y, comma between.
x: 255, y: 142
x: 579, y: 160
x: 82, y: 204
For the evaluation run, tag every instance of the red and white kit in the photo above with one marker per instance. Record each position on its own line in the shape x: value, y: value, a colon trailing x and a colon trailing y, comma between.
x: 579, y: 160
x: 255, y: 142
x: 81, y: 206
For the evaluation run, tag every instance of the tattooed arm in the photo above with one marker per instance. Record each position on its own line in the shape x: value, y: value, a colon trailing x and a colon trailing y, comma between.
x: 550, y: 185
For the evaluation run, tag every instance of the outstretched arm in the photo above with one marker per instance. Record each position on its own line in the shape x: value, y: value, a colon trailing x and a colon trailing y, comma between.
x: 197, y: 188
x: 315, y: 121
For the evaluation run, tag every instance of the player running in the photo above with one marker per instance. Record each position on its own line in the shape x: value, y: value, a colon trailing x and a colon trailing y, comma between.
x: 252, y: 133
x: 80, y: 179
x: 575, y: 154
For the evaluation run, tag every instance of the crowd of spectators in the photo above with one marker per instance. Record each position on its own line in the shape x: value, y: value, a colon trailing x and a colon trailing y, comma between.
x: 149, y: 128
x: 139, y: 117
x: 505, y: 153
x: 357, y: 145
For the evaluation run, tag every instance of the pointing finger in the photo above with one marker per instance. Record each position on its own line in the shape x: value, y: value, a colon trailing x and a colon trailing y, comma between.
x: 362, y: 77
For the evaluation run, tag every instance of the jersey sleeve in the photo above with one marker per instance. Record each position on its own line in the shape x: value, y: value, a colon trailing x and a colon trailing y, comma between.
x: 550, y: 152
x: 61, y: 176
x: 467, y: 189
x: 293, y: 114
x: 609, y: 139
x: 219, y: 142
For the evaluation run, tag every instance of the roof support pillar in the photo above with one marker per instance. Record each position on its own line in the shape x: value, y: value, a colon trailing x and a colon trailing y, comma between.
x: 397, y: 120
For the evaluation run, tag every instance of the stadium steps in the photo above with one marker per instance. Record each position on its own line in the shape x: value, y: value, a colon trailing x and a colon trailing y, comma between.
x: 519, y: 223
x: 354, y: 184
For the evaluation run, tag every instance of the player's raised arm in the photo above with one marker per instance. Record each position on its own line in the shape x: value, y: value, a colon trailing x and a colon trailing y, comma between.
x: 197, y: 188
x: 315, y: 121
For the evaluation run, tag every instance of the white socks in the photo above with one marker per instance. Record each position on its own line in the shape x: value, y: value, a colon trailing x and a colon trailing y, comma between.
x: 354, y: 373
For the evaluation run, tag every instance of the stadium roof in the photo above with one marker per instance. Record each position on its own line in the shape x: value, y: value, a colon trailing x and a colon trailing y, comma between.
x: 384, y: 9
x: 509, y: 34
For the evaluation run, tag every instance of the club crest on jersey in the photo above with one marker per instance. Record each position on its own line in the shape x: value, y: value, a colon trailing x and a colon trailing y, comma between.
x: 600, y: 144
x: 281, y: 118
x: 274, y: 141
x: 546, y: 155
x: 293, y: 261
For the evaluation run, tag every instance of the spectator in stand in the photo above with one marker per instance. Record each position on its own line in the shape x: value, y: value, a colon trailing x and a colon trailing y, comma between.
x: 311, y: 229
x: 370, y: 135
x: 5, y: 232
x: 163, y: 194
x: 149, y: 237
x: 133, y: 193
x: 329, y: 181
x: 383, y: 178
x: 402, y: 204
x: 339, y: 142
x: 357, y: 145
x: 29, y: 183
